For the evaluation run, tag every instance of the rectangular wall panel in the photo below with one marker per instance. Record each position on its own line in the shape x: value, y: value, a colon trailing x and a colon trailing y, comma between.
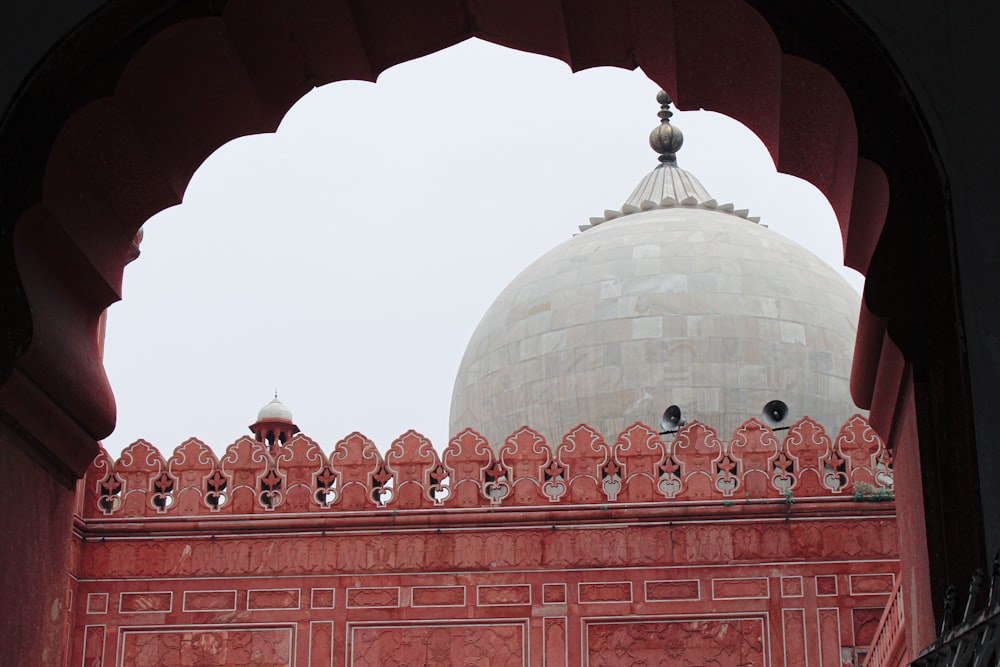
x: 93, y: 645
x: 97, y: 603
x: 139, y: 603
x: 207, y: 645
x: 322, y: 598
x: 794, y: 630
x: 321, y: 644
x: 829, y: 637
x: 791, y: 587
x: 871, y: 584
x: 716, y: 641
x: 438, y: 596
x: 453, y: 643
x: 615, y: 591
x: 554, y: 640
x: 387, y: 596
x: 689, y: 589
x: 826, y: 584
x: 865, y: 621
x: 516, y: 594
x: 738, y: 589
x: 210, y: 600
x: 553, y: 593
x: 278, y: 598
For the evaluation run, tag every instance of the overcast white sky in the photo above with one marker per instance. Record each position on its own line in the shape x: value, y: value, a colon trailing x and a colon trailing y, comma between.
x: 346, y: 259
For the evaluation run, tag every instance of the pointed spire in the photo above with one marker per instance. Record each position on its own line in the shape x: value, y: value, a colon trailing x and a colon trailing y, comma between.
x: 666, y: 139
x: 667, y: 185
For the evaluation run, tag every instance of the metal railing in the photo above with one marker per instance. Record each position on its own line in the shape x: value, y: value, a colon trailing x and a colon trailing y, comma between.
x: 975, y: 640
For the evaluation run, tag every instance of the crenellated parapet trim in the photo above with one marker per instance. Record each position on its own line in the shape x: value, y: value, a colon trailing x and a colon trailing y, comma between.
x: 694, y: 466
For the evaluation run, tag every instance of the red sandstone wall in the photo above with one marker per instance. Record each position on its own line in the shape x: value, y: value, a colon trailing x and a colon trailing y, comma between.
x: 587, y: 553
x: 35, y: 519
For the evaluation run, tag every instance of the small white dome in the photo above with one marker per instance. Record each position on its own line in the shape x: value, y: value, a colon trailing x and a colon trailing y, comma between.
x: 275, y: 411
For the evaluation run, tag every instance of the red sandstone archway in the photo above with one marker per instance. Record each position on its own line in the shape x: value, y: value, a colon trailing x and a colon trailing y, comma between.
x: 191, y: 84
x: 199, y: 83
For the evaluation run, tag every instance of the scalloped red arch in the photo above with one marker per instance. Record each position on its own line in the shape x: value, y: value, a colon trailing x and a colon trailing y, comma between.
x: 202, y: 82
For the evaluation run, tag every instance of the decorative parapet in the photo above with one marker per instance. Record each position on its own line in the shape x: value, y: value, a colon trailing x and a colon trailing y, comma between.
x: 640, y: 466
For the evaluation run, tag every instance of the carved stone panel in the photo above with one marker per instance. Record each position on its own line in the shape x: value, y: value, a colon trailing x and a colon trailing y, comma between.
x: 554, y: 631
x: 733, y: 589
x: 818, y: 470
x: 737, y: 641
x: 860, y: 446
x: 618, y: 591
x: 438, y: 596
x: 93, y: 645
x: 503, y: 595
x: 636, y: 455
x: 416, y: 467
x: 201, y: 486
x: 522, y: 548
x: 753, y: 449
x: 360, y: 465
x: 865, y: 621
x: 148, y: 488
x: 698, y: 447
x: 495, y: 644
x: 791, y: 587
x: 301, y: 463
x: 138, y: 603
x: 320, y: 644
x: 871, y: 584
x: 466, y: 458
x: 657, y: 591
x: 826, y: 584
x: 373, y: 597
x: 256, y: 485
x: 222, y: 645
x: 527, y: 456
x: 322, y: 598
x: 281, y: 598
x: 553, y: 593
x: 103, y: 490
x: 829, y: 637
x: 582, y: 454
x: 210, y: 601
x: 794, y: 626
x: 97, y: 603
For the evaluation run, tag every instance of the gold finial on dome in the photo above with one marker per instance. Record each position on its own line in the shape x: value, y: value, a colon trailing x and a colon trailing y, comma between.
x: 666, y: 139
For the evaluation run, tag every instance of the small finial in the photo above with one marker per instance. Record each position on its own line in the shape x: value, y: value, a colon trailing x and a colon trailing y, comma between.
x: 275, y: 393
x: 666, y: 139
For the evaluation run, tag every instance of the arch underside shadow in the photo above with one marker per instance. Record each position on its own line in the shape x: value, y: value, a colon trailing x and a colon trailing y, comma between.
x: 154, y: 94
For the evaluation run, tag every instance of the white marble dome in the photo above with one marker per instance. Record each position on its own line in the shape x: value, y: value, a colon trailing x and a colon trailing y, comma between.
x: 275, y: 411
x: 680, y: 305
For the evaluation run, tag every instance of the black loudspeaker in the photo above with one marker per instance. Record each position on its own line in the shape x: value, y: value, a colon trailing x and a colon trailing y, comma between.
x: 671, y: 419
x: 774, y: 413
